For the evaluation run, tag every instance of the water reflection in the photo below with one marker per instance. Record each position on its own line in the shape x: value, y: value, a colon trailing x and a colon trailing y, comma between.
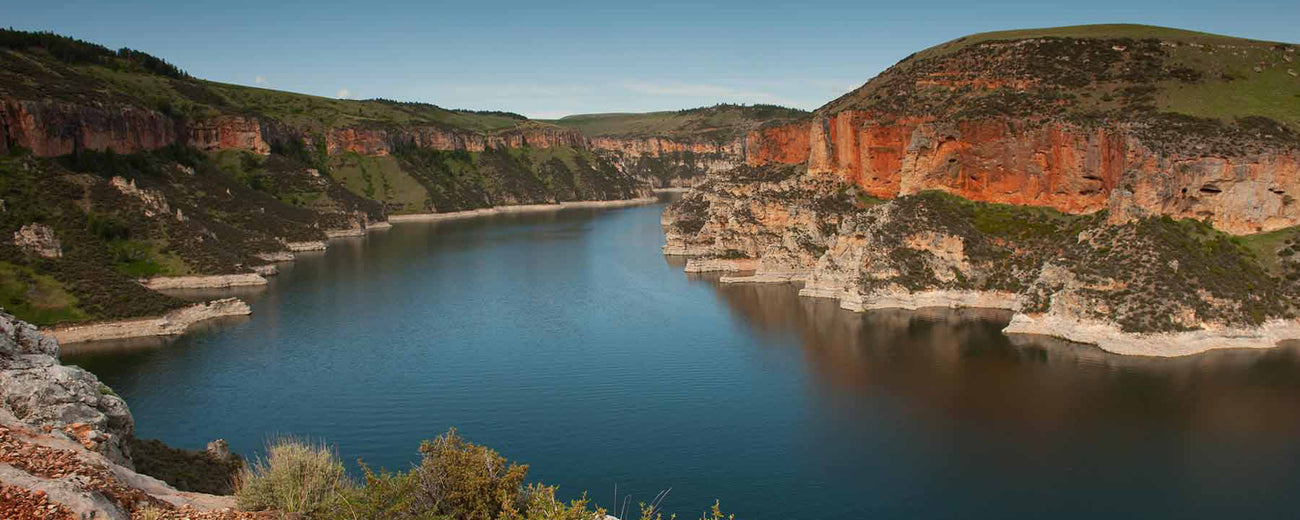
x: 957, y: 365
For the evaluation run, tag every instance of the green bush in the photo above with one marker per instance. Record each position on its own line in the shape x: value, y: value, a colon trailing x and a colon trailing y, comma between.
x: 297, y: 476
x: 383, y: 496
x: 463, y: 480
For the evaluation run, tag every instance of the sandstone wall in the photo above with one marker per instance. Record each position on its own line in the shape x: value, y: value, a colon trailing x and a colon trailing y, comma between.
x: 49, y: 128
x: 1057, y: 165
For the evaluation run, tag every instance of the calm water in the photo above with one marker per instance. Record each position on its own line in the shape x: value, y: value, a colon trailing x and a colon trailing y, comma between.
x: 566, y: 341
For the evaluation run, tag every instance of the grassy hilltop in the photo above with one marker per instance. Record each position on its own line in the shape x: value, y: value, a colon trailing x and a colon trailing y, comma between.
x: 1178, y: 81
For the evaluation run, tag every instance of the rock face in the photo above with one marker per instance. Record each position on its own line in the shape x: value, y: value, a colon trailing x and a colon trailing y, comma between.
x: 50, y: 128
x: 40, y: 392
x: 667, y: 162
x: 64, y: 441
x: 225, y: 132
x: 39, y: 240
x: 1028, y: 162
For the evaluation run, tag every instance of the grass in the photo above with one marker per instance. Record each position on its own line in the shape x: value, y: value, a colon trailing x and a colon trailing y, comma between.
x: 1267, y: 246
x: 145, y: 258
x: 36, y: 298
x: 296, y: 476
x: 1271, y: 93
x: 379, y: 178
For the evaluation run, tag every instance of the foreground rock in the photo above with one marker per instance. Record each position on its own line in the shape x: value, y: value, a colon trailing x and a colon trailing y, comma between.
x: 36, y: 390
x: 63, y: 449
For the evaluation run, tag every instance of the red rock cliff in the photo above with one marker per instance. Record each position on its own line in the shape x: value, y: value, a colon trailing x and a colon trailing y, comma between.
x: 49, y: 128
x: 1058, y: 165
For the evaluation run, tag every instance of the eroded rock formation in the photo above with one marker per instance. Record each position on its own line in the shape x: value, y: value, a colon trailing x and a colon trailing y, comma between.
x: 1028, y: 162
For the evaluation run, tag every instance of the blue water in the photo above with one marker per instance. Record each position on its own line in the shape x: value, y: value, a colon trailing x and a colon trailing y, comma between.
x: 567, y: 341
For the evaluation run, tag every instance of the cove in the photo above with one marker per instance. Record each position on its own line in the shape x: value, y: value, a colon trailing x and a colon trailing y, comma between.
x: 565, y: 340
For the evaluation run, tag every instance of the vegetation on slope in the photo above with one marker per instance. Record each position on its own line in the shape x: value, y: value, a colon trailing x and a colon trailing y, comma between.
x: 1229, y: 90
x: 719, y: 123
x: 187, y: 213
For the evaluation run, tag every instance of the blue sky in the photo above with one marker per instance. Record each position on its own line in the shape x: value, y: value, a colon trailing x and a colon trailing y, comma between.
x: 546, y: 59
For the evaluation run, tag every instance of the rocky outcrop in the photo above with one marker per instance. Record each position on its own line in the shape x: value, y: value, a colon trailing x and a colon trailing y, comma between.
x: 39, y: 240
x: 1109, y: 337
x: 38, y: 391
x: 1029, y: 162
x: 667, y: 162
x: 225, y: 132
x: 63, y: 442
x: 309, y: 245
x: 170, y: 324
x: 378, y: 141
x: 153, y: 201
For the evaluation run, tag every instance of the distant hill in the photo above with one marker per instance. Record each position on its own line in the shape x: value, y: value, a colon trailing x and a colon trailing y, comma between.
x: 722, y: 122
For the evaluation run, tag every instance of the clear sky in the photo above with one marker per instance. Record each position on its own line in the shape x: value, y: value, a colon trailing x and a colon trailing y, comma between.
x: 552, y: 58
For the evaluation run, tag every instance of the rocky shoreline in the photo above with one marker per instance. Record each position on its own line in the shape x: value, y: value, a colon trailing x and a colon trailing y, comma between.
x: 170, y: 324
x: 1105, y: 336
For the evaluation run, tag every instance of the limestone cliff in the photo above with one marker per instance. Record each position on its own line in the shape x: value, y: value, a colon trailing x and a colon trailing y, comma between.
x: 1064, y: 120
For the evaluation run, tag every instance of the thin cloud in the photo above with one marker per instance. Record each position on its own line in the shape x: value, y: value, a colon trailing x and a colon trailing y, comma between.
x: 260, y: 80
x: 343, y: 94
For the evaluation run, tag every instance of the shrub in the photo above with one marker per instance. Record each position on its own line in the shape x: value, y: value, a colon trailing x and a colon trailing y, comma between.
x: 296, y: 476
x: 383, y: 496
x: 540, y: 504
x: 463, y: 480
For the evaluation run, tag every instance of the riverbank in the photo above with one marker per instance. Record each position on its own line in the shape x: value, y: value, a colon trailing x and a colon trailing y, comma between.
x: 169, y: 324
x: 1110, y: 338
x: 521, y: 208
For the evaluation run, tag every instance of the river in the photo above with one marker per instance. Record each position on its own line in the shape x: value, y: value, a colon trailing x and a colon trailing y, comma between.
x: 565, y: 340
